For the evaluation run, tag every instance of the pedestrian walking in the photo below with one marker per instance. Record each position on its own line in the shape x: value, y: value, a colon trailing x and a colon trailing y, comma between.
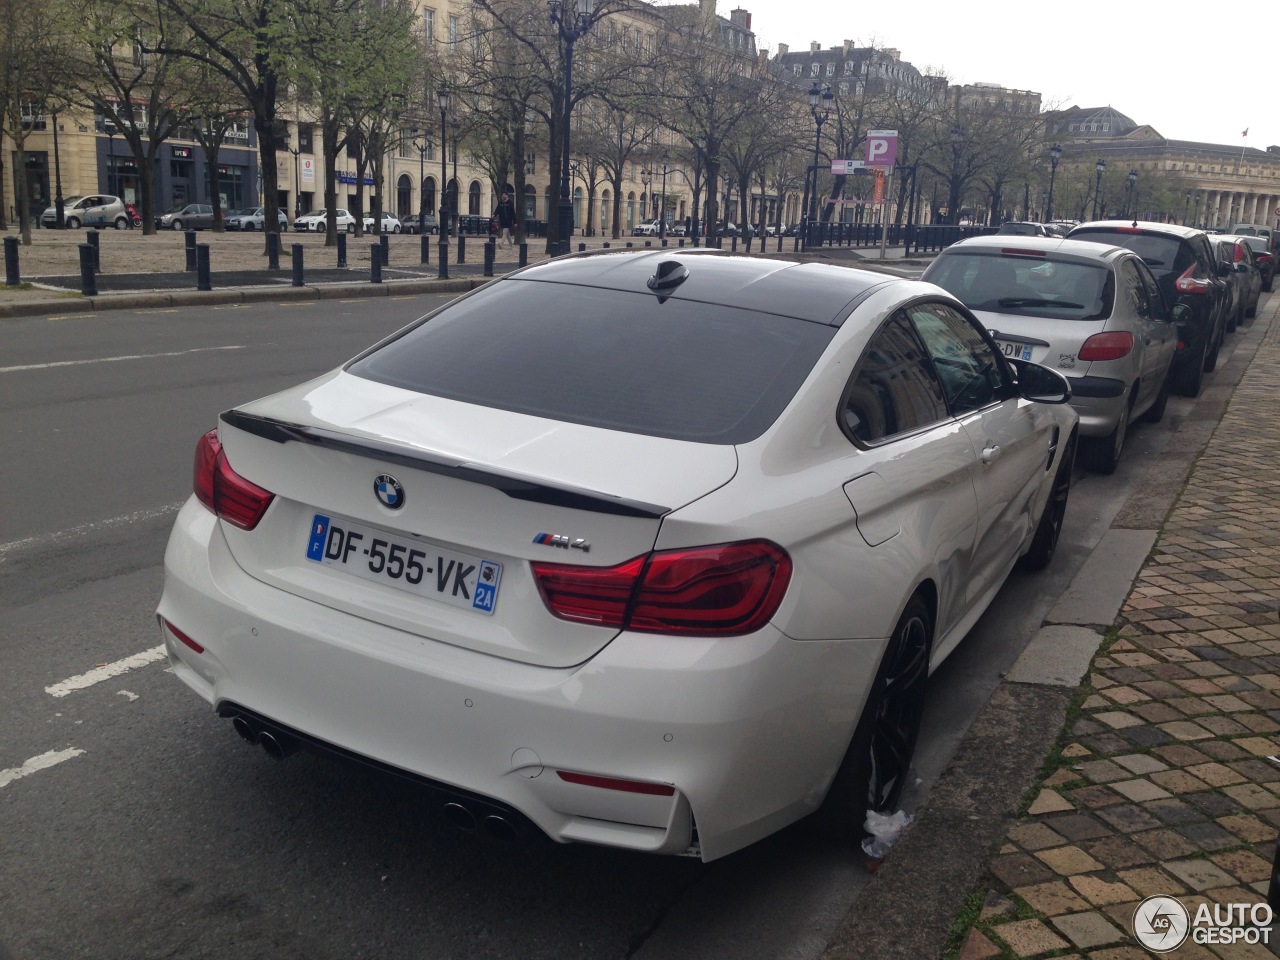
x: 506, y: 217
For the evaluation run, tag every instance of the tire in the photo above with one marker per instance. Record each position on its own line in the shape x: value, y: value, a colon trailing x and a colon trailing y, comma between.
x: 71, y: 223
x: 1102, y: 454
x: 878, y: 759
x: 351, y: 228
x: 1189, y: 378
x: 1211, y: 358
x: 396, y: 228
x: 177, y: 225
x: 1155, y: 412
x: 1045, y: 542
x: 122, y: 223
x: 1236, y: 320
x: 1252, y: 311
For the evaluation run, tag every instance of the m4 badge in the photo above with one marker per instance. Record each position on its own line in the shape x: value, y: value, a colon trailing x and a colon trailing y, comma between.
x: 565, y: 543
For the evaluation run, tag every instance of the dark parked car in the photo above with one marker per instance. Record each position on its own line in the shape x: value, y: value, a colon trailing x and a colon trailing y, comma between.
x: 1023, y: 228
x: 409, y: 223
x: 186, y: 216
x: 1190, y: 275
x: 1264, y: 260
x: 1246, y: 282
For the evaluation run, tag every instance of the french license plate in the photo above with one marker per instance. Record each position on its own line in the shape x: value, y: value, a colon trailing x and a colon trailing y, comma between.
x: 1019, y: 351
x: 413, y: 565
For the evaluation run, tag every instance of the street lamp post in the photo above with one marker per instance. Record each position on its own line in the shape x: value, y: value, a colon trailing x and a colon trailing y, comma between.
x: 572, y: 18
x: 1055, y: 154
x: 110, y: 128
x: 1101, y: 167
x: 816, y: 97
x: 453, y: 196
x: 422, y: 178
x: 1196, y: 212
x: 442, y: 95
x: 662, y: 214
x: 58, y: 204
x: 297, y: 183
x: 646, y: 178
x: 1186, y: 207
x: 1128, y: 197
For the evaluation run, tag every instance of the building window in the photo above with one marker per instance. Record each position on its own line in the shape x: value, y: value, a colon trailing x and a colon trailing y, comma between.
x: 304, y: 139
x: 831, y: 69
x: 453, y: 29
x: 429, y: 26
x: 797, y: 69
x: 814, y: 69
x: 844, y: 88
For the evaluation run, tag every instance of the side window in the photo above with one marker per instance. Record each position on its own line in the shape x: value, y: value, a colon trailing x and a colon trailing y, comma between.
x: 972, y: 373
x: 1159, y: 309
x: 894, y: 389
x: 1135, y: 293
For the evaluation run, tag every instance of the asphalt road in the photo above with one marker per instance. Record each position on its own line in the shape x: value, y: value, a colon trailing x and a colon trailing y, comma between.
x: 135, y: 824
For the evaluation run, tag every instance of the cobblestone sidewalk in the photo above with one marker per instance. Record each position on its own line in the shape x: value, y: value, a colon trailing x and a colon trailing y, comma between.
x: 1166, y: 780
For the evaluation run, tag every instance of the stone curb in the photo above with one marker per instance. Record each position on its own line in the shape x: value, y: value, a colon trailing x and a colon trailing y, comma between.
x: 257, y: 294
x: 908, y: 908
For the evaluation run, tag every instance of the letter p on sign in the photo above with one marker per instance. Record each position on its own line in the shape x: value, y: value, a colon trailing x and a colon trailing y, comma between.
x: 882, y: 148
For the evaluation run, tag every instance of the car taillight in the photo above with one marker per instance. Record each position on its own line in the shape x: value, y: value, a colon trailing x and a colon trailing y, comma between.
x: 1107, y: 346
x: 724, y: 590
x: 1189, y: 284
x: 225, y: 492
x: 1263, y: 258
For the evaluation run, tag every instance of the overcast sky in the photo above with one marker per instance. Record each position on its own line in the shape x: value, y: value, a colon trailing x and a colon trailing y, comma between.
x: 1161, y: 64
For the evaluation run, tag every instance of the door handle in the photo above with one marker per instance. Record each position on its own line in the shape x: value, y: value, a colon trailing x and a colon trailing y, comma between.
x: 991, y: 453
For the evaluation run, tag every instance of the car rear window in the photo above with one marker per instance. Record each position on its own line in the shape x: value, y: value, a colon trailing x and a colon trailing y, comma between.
x: 1160, y: 253
x: 1026, y: 286
x: 607, y: 358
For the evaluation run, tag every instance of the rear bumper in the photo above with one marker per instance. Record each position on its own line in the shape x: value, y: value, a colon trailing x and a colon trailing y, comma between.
x: 747, y: 731
x: 1099, y: 402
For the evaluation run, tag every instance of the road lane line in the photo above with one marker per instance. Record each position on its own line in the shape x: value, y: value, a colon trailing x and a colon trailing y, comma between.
x: 96, y: 525
x: 98, y: 674
x: 35, y: 764
x: 131, y: 356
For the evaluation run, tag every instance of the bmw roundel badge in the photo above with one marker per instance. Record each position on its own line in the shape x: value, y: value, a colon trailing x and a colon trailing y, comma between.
x: 389, y: 492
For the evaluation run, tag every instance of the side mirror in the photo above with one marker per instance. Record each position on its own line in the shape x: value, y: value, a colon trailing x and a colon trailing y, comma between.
x: 1242, y: 267
x: 1039, y: 384
x: 1181, y: 313
x: 1225, y: 268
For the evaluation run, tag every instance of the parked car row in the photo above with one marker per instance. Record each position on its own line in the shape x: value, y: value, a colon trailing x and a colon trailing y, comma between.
x: 1126, y: 310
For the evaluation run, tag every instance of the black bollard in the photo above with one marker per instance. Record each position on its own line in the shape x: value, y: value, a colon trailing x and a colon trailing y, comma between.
x: 342, y: 251
x: 92, y: 238
x: 191, y: 249
x: 606, y: 245
x: 524, y: 254
x: 490, y: 251
x: 273, y: 251
x: 582, y: 248
x: 733, y: 244
x: 682, y: 242
x: 88, y: 285
x: 203, y: 279
x: 384, y: 249
x: 426, y: 247
x: 648, y: 243
x: 297, y: 265
x: 664, y: 241
x: 11, y: 277
x: 462, y: 248
x: 375, y: 263
x: 630, y: 244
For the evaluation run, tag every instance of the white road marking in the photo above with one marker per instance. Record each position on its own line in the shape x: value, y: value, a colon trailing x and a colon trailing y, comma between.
x: 106, y: 672
x: 96, y: 525
x: 35, y: 764
x: 130, y: 356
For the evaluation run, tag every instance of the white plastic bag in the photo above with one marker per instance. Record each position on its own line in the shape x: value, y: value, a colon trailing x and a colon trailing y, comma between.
x: 885, y: 830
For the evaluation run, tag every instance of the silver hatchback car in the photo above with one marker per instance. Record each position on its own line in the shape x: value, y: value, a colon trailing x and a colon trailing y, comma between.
x: 1094, y: 313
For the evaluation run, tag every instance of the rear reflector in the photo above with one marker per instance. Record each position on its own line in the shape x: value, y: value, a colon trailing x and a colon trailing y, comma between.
x: 725, y: 590
x: 1107, y: 346
x: 613, y: 783
x: 182, y: 636
x: 225, y: 492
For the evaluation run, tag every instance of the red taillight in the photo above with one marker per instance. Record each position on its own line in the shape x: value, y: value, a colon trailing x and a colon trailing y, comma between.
x: 225, y: 492
x: 724, y: 590
x: 1263, y: 258
x: 1189, y: 284
x: 182, y: 636
x: 614, y: 783
x: 1107, y: 346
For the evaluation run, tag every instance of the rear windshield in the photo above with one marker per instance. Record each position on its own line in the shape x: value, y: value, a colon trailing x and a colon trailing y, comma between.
x: 1158, y: 252
x: 1030, y: 287
x: 607, y: 358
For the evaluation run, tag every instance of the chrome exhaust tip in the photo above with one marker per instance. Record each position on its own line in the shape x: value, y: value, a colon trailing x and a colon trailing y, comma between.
x: 460, y: 816
x: 246, y: 729
x: 500, y: 828
x: 277, y: 745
